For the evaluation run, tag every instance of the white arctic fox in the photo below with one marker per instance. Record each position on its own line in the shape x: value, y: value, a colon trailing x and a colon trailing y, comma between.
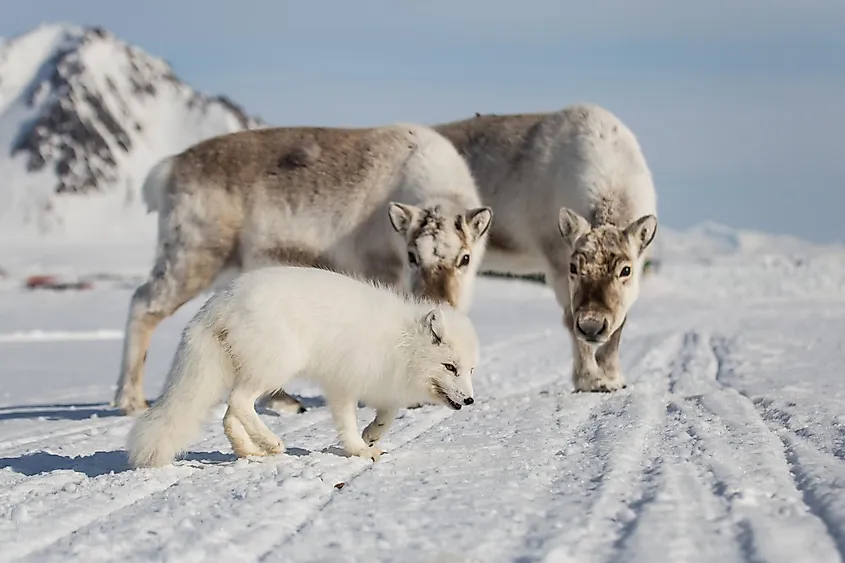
x: 358, y: 340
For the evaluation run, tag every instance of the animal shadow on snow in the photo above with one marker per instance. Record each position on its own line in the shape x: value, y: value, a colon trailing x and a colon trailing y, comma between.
x: 84, y: 411
x: 104, y: 463
x: 58, y: 411
x: 93, y: 465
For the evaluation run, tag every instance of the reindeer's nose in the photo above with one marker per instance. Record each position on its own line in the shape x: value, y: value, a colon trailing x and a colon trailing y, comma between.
x: 469, y: 401
x: 592, y: 328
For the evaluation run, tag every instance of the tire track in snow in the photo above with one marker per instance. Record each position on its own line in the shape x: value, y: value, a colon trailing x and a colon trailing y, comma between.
x: 819, y: 478
x: 658, y: 523
x: 24, y: 532
x: 616, y: 467
x: 738, y: 477
x: 816, y: 474
x: 295, y: 480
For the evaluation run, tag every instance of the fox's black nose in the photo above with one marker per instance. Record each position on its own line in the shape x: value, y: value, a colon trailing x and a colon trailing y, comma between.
x: 469, y: 401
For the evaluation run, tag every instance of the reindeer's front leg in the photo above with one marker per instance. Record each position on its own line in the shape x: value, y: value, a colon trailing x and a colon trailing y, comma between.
x: 594, y: 368
x: 607, y: 359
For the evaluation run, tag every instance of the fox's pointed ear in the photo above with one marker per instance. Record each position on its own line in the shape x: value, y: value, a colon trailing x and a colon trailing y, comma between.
x: 433, y: 322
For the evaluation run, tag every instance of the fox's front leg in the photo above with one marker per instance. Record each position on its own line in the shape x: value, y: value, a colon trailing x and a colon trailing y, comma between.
x: 345, y: 415
x: 379, y: 426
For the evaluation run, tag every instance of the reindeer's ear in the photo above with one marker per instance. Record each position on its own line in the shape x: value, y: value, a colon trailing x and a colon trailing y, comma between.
x: 402, y: 216
x: 571, y: 225
x: 641, y: 232
x: 433, y: 323
x: 478, y: 220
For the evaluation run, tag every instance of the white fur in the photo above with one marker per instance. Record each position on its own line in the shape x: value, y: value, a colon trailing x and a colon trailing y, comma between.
x: 357, y: 340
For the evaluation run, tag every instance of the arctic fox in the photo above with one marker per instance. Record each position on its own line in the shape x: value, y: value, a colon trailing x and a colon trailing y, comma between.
x: 359, y: 340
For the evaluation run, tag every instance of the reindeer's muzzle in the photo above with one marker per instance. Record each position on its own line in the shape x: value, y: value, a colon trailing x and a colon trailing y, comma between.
x: 592, y: 329
x: 439, y: 285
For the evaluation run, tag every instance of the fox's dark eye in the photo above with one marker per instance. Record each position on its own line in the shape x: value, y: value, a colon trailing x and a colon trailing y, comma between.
x: 464, y: 261
x: 573, y: 269
x: 452, y: 368
x: 411, y: 258
x: 626, y: 271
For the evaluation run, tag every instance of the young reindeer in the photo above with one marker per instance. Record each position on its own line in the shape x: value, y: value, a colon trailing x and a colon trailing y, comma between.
x: 574, y: 199
x: 395, y: 204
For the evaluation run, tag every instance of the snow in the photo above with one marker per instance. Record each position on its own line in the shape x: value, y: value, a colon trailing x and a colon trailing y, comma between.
x: 135, y: 111
x: 727, y: 446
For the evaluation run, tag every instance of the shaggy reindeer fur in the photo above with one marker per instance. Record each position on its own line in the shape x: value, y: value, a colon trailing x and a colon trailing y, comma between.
x: 273, y: 324
x: 574, y: 199
x: 357, y: 201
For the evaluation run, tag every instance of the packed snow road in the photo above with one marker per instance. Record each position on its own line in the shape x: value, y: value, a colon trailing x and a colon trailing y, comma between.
x: 728, y: 444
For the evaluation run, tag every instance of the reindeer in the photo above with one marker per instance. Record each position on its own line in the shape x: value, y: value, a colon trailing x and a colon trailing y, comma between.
x: 574, y: 200
x: 396, y: 204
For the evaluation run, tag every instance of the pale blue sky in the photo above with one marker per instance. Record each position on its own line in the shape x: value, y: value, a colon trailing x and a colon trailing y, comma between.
x: 739, y: 105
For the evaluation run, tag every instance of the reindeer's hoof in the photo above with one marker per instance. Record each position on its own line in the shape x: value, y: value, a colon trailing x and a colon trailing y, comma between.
x: 604, y: 387
x: 131, y: 407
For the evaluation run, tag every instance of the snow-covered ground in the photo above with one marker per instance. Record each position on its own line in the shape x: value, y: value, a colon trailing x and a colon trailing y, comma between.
x: 728, y: 445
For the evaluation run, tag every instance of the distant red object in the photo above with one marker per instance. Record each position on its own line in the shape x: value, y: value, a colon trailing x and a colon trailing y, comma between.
x: 40, y: 281
x: 52, y: 282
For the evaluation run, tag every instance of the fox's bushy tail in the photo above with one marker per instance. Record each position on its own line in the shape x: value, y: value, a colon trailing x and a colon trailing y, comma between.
x: 200, y: 374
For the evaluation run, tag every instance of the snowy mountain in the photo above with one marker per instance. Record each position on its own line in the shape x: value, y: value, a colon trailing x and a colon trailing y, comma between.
x: 83, y: 116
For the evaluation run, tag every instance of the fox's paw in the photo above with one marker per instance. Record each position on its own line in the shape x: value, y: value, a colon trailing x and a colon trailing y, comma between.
x: 373, y: 433
x: 370, y: 452
x: 274, y: 448
x: 243, y: 449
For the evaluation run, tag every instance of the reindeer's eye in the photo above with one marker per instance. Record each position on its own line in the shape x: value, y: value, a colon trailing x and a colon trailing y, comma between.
x: 411, y: 258
x: 573, y: 269
x: 464, y: 261
x: 452, y: 368
x: 626, y: 271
